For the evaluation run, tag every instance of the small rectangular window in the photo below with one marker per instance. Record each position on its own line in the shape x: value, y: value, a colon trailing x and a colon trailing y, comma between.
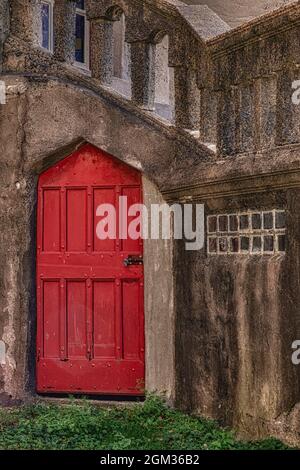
x: 254, y: 232
x: 82, y: 36
x: 47, y: 24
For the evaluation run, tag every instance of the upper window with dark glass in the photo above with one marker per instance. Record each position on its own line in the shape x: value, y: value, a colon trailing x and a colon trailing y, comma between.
x: 47, y: 24
x: 80, y: 4
x: 82, y: 35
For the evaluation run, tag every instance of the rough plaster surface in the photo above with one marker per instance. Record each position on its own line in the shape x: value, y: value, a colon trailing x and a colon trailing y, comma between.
x: 160, y: 347
x: 237, y: 310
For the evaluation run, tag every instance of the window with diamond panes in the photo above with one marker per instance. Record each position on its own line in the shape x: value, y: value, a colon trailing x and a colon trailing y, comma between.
x: 252, y: 232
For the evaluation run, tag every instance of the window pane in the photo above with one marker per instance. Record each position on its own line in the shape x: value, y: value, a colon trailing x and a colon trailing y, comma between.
x: 245, y: 243
x: 234, y: 223
x: 281, y: 242
x: 269, y: 243
x: 234, y: 245
x: 223, y: 245
x: 268, y: 220
x: 223, y: 223
x: 256, y: 221
x: 46, y: 26
x: 212, y: 247
x: 80, y: 4
x: 80, y: 39
x: 280, y: 220
x: 212, y: 224
x: 256, y: 245
x: 244, y: 222
x: 256, y: 232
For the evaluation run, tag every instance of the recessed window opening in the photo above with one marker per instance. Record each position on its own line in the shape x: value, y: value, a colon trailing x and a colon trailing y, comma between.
x: 121, y: 58
x: 164, y: 81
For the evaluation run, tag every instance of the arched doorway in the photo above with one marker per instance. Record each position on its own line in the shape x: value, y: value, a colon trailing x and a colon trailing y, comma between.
x: 90, y: 302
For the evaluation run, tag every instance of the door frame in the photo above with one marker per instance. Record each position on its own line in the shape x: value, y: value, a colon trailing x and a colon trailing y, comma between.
x: 158, y: 273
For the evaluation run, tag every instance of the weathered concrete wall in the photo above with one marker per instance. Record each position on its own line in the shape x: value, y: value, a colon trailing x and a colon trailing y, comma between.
x: 15, y: 252
x: 236, y: 319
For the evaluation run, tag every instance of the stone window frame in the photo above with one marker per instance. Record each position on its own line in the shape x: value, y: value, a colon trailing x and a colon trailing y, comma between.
x: 86, y: 64
x: 50, y: 3
x: 221, y: 238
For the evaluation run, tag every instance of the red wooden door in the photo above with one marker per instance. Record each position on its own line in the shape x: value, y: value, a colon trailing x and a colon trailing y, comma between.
x: 90, y: 314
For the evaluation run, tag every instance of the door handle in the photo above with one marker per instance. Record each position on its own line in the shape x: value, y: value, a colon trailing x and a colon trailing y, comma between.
x: 133, y: 260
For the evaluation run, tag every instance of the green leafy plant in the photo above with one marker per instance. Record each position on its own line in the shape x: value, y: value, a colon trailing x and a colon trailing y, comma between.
x: 146, y: 426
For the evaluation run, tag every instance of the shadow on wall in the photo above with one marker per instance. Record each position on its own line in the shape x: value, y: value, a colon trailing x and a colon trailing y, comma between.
x: 164, y: 75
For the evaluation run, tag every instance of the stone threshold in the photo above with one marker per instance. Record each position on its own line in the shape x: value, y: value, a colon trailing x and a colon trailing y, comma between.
x: 83, y: 400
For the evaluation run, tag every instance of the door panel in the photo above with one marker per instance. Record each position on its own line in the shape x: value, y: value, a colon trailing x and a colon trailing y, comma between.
x: 105, y: 342
x: 90, y: 317
x: 133, y: 197
x: 103, y: 196
x: 51, y: 210
x: 76, y: 213
x: 51, y: 301
x: 131, y: 319
x: 76, y: 319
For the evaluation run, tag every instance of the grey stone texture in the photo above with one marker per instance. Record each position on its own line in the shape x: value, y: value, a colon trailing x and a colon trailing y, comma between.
x: 143, y: 74
x: 236, y: 12
x: 64, y: 26
x: 219, y: 329
x: 101, y: 50
x: 203, y: 20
